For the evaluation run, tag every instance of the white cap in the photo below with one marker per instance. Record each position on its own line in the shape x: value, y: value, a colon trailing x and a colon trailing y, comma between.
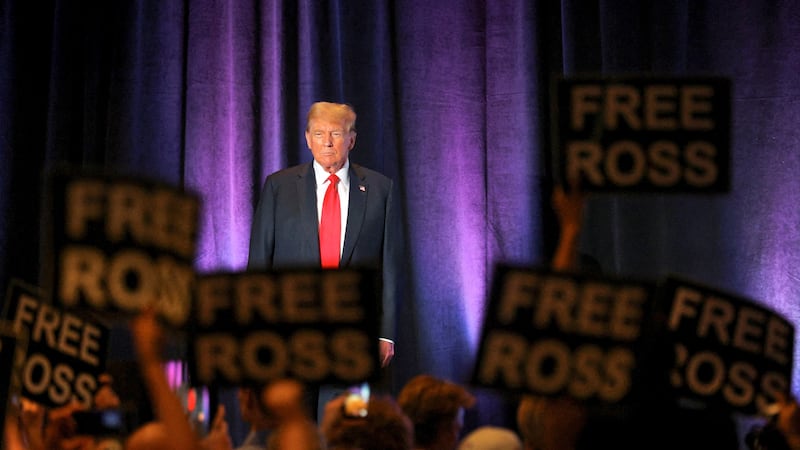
x: 491, y: 438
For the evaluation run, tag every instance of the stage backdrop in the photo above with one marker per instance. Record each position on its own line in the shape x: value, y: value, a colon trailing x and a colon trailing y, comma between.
x: 452, y: 100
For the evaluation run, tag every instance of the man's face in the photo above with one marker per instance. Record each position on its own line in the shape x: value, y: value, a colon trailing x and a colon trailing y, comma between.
x: 330, y: 143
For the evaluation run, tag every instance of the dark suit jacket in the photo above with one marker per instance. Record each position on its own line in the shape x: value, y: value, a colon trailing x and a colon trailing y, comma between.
x: 285, y: 232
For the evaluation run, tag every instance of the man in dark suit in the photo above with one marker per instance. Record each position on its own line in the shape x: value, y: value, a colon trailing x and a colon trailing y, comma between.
x: 286, y: 225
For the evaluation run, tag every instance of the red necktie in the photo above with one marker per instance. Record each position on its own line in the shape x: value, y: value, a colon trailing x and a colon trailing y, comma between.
x: 330, y: 225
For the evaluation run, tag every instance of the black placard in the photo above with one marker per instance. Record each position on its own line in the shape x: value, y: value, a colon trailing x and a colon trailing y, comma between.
x: 557, y: 333
x: 723, y: 350
x: 118, y: 244
x: 66, y: 351
x: 318, y: 326
x: 643, y: 134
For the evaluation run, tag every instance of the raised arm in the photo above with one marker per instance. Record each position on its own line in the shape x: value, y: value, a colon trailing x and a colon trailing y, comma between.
x: 148, y: 339
x: 568, y: 207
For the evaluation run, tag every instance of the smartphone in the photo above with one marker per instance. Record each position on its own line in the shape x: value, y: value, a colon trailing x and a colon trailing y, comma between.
x: 104, y: 422
x: 356, y: 401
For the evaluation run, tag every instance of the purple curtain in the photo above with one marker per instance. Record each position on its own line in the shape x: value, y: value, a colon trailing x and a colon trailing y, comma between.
x: 452, y: 98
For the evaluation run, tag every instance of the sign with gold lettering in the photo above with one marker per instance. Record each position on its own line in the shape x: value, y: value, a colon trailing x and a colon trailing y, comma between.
x: 722, y: 349
x: 66, y: 352
x: 315, y: 325
x: 121, y: 243
x: 643, y: 134
x: 555, y: 333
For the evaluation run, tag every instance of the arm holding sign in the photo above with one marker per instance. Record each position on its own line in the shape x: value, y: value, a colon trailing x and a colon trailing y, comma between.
x: 148, y: 338
x: 557, y: 422
x: 781, y: 431
x: 788, y: 421
x: 568, y: 207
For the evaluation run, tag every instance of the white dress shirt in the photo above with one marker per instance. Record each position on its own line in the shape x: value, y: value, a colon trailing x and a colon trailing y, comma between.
x: 344, y: 190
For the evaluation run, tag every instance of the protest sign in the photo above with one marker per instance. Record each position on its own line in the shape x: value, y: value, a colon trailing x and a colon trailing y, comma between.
x: 118, y: 244
x: 66, y: 352
x: 318, y: 326
x: 557, y: 333
x: 723, y: 350
x: 643, y: 134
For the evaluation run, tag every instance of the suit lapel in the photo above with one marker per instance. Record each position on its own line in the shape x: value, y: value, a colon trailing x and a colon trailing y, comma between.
x: 307, y: 196
x: 355, y: 213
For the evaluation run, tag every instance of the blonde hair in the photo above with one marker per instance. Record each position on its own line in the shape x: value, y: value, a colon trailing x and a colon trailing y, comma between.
x: 333, y: 112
